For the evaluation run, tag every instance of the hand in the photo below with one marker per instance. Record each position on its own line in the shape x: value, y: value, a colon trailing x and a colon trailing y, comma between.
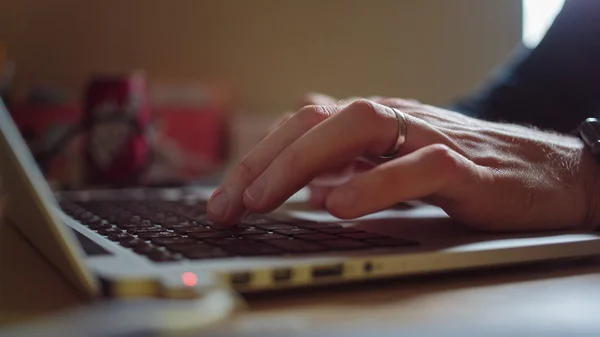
x: 489, y: 176
x: 320, y: 187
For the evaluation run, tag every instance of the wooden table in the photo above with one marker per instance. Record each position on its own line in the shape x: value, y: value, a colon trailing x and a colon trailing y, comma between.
x: 552, y: 297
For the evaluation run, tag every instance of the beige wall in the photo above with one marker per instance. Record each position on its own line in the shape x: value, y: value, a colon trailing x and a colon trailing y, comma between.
x: 271, y: 51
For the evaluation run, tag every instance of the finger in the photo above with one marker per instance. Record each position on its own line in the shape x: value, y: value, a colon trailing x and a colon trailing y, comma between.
x: 341, y: 176
x: 321, y: 186
x: 318, y: 196
x: 308, y: 99
x: 430, y: 171
x: 361, y: 128
x: 226, y: 204
x: 279, y: 121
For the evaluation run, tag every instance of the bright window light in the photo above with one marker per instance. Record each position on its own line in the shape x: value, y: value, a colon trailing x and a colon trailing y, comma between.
x: 538, y: 15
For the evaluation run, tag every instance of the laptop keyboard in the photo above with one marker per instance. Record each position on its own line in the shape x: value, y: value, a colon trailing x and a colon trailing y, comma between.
x: 167, y: 231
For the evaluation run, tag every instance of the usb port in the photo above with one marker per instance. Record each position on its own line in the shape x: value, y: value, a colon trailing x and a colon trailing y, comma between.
x: 240, y: 278
x: 282, y: 275
x: 328, y: 271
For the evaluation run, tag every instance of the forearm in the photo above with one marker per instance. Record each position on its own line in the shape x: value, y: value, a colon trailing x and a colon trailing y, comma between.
x: 556, y: 85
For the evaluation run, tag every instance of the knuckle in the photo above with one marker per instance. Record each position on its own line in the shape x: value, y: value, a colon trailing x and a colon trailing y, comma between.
x: 446, y: 158
x: 312, y: 115
x: 363, y: 109
x: 244, y: 170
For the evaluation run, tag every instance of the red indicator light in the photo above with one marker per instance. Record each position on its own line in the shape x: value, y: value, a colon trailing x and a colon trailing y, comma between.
x: 189, y: 279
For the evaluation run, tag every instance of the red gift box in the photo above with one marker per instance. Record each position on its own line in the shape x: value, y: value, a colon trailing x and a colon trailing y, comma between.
x: 189, y: 141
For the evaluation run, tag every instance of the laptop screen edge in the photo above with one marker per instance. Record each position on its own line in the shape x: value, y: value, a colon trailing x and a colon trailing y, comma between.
x: 29, y: 208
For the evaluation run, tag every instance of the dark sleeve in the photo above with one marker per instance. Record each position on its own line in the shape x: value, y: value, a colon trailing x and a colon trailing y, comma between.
x: 554, y: 86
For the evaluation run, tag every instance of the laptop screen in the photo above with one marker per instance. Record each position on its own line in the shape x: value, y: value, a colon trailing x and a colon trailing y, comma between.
x: 30, y: 207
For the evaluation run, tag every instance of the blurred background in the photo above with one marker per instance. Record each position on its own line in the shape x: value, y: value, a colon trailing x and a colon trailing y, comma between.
x: 216, y: 73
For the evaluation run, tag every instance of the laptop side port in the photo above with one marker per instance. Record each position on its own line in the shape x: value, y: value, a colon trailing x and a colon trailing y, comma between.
x: 241, y: 278
x: 328, y: 271
x: 282, y: 275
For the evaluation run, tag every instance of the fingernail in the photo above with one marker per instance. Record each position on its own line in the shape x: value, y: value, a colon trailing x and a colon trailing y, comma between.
x: 256, y: 190
x: 219, y: 203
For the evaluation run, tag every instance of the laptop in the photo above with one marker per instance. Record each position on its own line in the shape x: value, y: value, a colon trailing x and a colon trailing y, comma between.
x: 160, y: 243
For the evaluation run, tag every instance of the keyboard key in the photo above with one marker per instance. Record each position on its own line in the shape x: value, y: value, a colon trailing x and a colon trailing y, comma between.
x: 344, y: 244
x: 157, y: 218
x: 180, y: 224
x: 106, y: 231
x: 226, y: 241
x: 147, y: 251
x: 85, y: 216
x: 297, y: 246
x: 274, y: 226
x: 250, y: 248
x: 247, y: 231
x: 132, y: 242
x: 145, y: 230
x: 154, y: 235
x: 135, y: 219
x: 193, y: 229
x: 201, y: 219
x: 183, y: 247
x: 214, y: 253
x: 266, y: 236
x: 128, y: 225
x: 97, y: 226
x: 162, y: 256
x: 171, y: 219
x: 294, y: 231
x: 338, y: 230
x: 391, y: 242
x: 119, y: 236
x: 126, y: 217
x: 93, y: 220
x: 317, y: 225
x: 208, y: 235
x: 143, y: 248
x: 362, y: 235
x: 165, y: 241
x: 253, y: 221
x: 316, y: 237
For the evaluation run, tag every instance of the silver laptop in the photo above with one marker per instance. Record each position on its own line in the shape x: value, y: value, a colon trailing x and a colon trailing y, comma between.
x: 159, y: 242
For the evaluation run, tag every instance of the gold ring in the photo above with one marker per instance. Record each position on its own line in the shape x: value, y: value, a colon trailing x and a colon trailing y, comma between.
x: 400, y: 138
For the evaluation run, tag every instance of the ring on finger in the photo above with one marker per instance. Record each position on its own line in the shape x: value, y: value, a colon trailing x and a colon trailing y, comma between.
x: 400, y: 136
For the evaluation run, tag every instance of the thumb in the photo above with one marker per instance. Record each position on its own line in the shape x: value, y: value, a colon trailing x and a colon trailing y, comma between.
x: 430, y: 171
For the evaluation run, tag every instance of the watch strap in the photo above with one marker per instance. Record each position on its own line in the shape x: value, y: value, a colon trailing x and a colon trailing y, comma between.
x: 589, y: 132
